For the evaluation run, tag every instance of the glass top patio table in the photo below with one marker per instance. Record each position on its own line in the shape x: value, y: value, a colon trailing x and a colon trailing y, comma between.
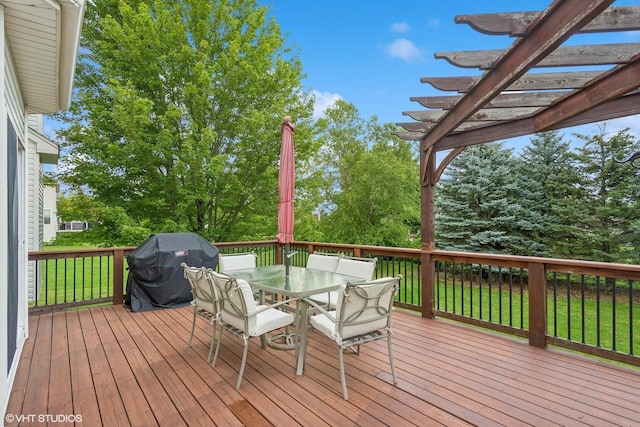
x: 300, y: 283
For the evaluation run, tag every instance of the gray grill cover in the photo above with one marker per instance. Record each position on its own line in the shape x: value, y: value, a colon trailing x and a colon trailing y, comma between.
x: 155, y: 279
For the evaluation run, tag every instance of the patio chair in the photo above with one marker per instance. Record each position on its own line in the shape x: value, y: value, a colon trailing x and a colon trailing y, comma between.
x: 323, y: 261
x: 230, y: 262
x: 362, y: 315
x: 241, y: 316
x: 350, y: 266
x: 227, y: 263
x: 205, y: 301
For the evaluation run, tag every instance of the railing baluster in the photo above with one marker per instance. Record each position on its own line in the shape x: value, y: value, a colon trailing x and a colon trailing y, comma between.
x: 569, y: 306
x: 555, y: 303
x: 613, y: 317
x: 490, y: 283
x: 598, y: 311
x: 582, y: 304
x: 631, y: 318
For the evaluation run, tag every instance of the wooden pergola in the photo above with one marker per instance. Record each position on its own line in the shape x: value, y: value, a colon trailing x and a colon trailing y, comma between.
x: 508, y: 100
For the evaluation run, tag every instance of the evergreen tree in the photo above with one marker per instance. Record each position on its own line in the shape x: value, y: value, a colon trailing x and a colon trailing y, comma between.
x: 550, y: 164
x: 483, y: 204
x: 176, y: 114
x: 612, y: 191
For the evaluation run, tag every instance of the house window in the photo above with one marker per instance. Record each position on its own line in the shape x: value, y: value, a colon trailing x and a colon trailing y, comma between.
x: 47, y: 216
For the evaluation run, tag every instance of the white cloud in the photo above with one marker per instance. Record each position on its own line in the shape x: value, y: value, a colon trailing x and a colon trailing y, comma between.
x: 405, y: 50
x: 433, y: 23
x: 400, y: 27
x: 323, y: 101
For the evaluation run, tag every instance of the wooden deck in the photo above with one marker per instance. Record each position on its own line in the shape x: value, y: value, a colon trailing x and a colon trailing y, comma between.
x: 116, y: 368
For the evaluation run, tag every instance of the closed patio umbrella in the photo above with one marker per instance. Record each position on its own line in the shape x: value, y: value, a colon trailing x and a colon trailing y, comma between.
x: 286, y: 185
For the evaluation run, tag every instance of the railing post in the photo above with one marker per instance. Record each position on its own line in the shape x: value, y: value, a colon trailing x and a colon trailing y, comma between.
x: 278, y: 249
x: 118, y: 276
x: 428, y: 284
x: 537, y: 305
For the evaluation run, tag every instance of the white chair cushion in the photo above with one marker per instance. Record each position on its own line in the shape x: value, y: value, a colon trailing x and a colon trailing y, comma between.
x: 236, y: 262
x: 373, y: 288
x: 203, y: 296
x: 323, y: 262
x: 269, y: 320
x: 205, y: 305
x: 352, y: 267
x: 236, y: 322
x: 326, y: 298
x: 323, y: 323
x: 261, y: 323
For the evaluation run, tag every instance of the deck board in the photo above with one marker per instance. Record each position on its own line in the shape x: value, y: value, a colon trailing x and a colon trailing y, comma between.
x: 114, y: 367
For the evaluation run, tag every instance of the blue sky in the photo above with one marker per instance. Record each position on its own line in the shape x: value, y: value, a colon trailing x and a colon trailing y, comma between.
x: 373, y: 53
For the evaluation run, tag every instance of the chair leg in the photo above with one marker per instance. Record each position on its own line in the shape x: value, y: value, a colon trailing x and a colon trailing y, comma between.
x: 215, y: 357
x: 343, y: 379
x: 193, y: 326
x: 213, y: 339
x: 244, y: 361
x: 393, y: 369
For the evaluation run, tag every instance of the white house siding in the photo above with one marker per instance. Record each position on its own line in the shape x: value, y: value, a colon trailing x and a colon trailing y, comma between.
x: 36, y: 121
x: 33, y: 209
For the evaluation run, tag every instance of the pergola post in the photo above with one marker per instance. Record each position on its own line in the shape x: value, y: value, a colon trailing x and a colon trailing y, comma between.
x: 427, y: 222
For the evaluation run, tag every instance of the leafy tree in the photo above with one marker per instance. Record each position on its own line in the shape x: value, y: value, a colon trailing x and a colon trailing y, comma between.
x: 75, y: 207
x: 550, y: 164
x: 483, y: 204
x: 612, y: 191
x: 369, y: 180
x: 176, y: 114
x: 109, y: 226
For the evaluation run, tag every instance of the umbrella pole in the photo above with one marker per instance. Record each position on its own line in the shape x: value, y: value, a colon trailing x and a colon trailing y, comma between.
x: 287, y: 259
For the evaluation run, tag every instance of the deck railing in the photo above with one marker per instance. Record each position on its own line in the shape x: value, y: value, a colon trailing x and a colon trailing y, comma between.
x: 585, y: 306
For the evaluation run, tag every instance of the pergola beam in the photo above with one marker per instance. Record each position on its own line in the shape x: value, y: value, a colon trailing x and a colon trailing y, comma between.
x: 515, y: 24
x: 621, y: 107
x: 538, y: 81
x: 504, y: 100
x: 552, y: 27
x: 564, y: 56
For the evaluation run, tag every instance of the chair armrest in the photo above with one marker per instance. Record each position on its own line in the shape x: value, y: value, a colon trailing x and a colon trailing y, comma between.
x: 321, y: 309
x: 278, y: 304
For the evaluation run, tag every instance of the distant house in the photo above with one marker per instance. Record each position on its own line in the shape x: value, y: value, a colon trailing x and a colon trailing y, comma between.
x: 49, y: 213
x: 40, y: 41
